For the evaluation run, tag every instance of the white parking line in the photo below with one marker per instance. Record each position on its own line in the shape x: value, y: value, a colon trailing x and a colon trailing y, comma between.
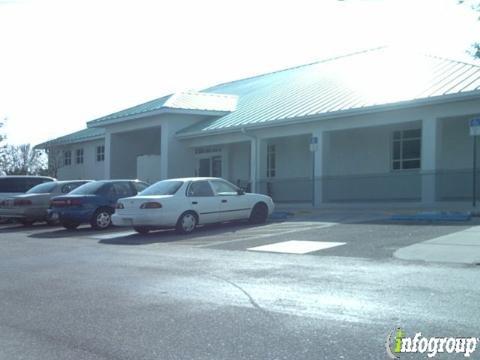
x: 250, y: 236
x: 296, y: 246
x: 113, y: 235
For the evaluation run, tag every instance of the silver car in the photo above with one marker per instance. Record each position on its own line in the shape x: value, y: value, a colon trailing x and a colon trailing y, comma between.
x: 32, y: 206
x: 12, y: 185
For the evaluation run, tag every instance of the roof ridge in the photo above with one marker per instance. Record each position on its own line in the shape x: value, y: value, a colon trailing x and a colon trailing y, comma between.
x: 451, y: 60
x: 296, y: 67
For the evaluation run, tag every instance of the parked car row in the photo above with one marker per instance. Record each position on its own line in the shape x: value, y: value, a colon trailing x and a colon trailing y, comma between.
x: 175, y: 203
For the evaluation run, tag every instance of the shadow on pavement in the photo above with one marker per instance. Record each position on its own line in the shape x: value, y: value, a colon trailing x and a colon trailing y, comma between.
x: 79, y: 232
x: 166, y: 236
x: 15, y: 227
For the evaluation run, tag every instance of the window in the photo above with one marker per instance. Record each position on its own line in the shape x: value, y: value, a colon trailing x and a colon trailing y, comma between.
x: 223, y: 188
x: 139, y: 186
x: 70, y: 187
x: 406, y: 149
x: 79, y: 156
x: 90, y: 188
x: 122, y: 189
x: 200, y: 188
x: 101, y: 153
x: 164, y: 187
x: 44, y: 188
x: 67, y: 158
x: 271, y: 161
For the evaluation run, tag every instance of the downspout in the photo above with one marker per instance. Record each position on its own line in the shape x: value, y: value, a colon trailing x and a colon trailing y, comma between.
x: 253, y: 169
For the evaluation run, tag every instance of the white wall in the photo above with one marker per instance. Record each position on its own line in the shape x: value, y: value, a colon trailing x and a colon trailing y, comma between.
x: 362, y: 151
x: 90, y: 169
x: 456, y: 144
x: 181, y: 160
x: 293, y: 157
x: 177, y: 158
x: 127, y: 146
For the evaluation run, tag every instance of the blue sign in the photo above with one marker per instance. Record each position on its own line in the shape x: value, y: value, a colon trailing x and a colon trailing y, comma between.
x: 475, y: 122
x: 475, y: 127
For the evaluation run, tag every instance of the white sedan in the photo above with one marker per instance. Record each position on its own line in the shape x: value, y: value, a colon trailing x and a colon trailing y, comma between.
x: 187, y: 202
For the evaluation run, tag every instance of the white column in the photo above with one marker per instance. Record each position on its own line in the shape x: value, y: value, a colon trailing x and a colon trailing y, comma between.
x: 254, y: 163
x: 430, y: 136
x: 108, y: 159
x: 318, y: 166
x: 164, y: 152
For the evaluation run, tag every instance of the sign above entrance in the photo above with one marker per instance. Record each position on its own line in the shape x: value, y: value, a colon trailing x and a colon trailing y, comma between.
x: 475, y: 126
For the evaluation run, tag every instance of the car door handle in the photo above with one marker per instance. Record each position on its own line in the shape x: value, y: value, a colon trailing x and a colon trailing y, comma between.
x: 224, y: 201
x: 194, y: 202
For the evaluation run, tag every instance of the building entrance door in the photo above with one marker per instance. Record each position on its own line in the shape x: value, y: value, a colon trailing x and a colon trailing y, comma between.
x: 209, y: 166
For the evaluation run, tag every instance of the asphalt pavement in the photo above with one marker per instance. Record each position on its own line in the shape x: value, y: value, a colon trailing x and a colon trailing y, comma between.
x: 119, y: 295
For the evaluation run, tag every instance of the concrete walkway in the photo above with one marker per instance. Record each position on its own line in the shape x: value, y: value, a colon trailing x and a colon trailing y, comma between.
x: 462, y: 247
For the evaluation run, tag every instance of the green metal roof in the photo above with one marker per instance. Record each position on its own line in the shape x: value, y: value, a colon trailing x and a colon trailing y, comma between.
x: 364, y: 81
x: 78, y: 136
x: 213, y: 103
x: 357, y: 82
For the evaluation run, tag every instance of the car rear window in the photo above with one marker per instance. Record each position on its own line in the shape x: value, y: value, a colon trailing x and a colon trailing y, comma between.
x: 66, y: 188
x: 42, y: 188
x: 164, y: 187
x: 88, y: 189
x: 20, y: 185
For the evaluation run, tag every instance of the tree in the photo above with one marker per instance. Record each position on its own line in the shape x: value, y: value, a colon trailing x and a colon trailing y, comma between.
x: 2, y: 149
x: 22, y: 160
x: 55, y: 161
x: 475, y: 5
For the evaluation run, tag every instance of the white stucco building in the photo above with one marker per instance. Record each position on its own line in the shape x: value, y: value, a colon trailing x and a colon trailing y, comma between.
x: 386, y: 126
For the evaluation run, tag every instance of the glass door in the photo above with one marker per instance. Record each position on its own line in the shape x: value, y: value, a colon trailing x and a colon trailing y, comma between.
x: 209, y: 166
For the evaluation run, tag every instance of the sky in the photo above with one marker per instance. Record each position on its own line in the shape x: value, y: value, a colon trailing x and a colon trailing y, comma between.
x: 63, y: 63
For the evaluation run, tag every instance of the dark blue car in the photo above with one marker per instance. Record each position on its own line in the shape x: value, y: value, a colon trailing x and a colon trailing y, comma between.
x: 92, y: 203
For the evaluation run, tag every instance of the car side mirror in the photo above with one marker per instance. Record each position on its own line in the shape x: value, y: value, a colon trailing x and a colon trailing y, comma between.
x: 240, y: 192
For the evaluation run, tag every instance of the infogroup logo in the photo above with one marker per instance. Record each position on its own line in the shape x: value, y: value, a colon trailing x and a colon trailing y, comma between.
x: 397, y: 343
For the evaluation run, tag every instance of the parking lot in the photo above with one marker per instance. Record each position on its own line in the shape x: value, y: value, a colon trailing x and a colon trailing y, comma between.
x: 289, y: 289
x: 352, y: 235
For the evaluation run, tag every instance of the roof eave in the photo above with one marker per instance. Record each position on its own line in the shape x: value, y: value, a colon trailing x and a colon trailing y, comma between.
x: 339, y: 114
x: 164, y: 110
x: 52, y: 143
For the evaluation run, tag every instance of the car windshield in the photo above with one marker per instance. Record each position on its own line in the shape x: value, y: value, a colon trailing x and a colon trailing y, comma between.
x: 164, y: 187
x: 88, y: 189
x: 42, y: 188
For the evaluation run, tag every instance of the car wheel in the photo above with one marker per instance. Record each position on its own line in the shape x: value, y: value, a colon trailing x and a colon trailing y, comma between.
x: 259, y: 214
x: 102, y: 219
x: 70, y: 225
x: 25, y: 222
x: 186, y: 223
x: 141, y: 229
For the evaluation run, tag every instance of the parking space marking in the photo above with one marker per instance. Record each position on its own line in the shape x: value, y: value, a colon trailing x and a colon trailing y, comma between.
x: 114, y: 235
x: 245, y: 235
x: 296, y: 246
